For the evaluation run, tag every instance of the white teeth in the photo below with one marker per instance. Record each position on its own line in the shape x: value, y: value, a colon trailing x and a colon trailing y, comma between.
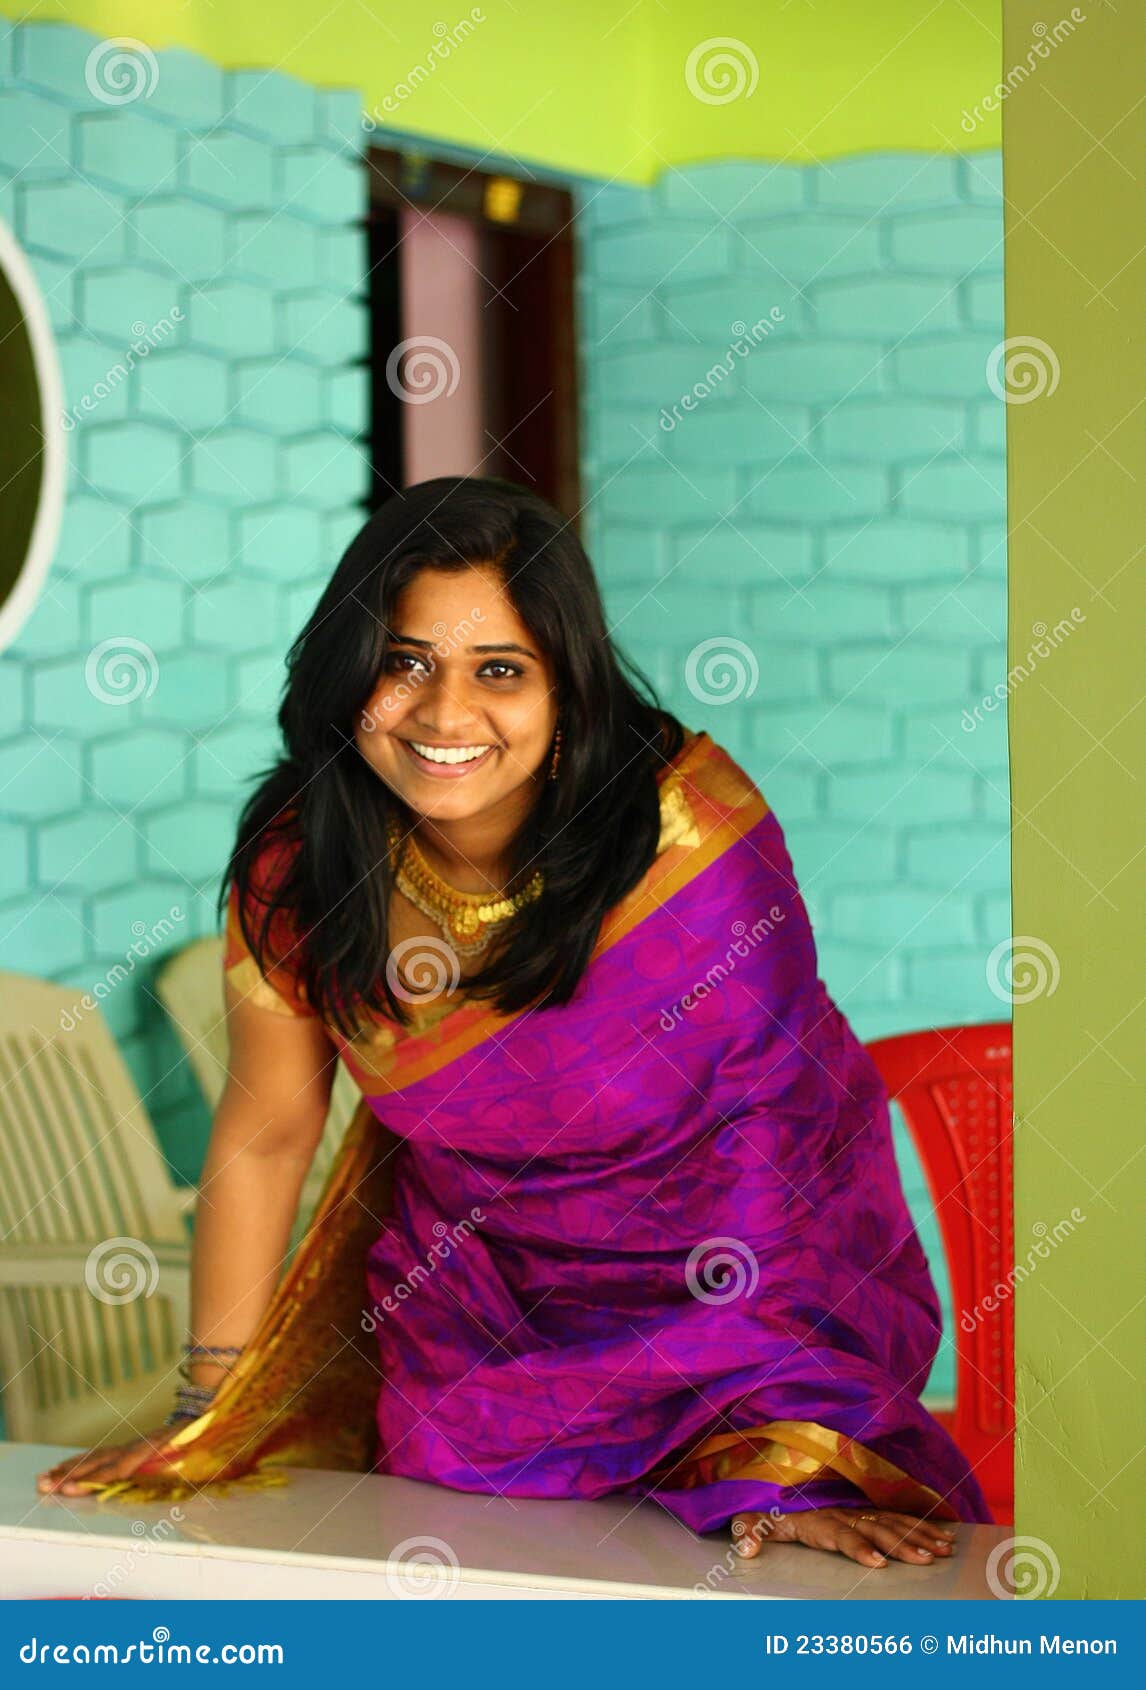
x: 449, y: 754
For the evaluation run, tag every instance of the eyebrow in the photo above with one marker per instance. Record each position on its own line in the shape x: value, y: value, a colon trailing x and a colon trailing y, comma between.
x: 428, y: 645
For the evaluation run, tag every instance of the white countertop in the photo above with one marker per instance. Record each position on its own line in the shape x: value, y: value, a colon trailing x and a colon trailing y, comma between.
x: 367, y: 1536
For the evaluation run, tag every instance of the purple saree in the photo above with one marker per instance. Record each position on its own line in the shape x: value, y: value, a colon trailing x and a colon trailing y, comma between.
x: 654, y: 1241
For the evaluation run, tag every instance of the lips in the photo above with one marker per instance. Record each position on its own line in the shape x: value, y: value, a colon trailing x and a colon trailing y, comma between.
x: 445, y: 771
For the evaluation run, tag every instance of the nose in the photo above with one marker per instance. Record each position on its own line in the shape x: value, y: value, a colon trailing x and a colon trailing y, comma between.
x: 442, y: 711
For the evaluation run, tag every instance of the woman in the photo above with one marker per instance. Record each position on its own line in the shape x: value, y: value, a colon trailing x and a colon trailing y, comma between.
x: 646, y: 1233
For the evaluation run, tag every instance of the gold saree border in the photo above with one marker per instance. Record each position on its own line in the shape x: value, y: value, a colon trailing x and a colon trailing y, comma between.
x: 304, y: 1393
x: 792, y: 1452
x: 707, y: 804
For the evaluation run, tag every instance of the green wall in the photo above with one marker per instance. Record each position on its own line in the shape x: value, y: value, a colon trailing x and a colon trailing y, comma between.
x: 1074, y: 167
x: 600, y: 88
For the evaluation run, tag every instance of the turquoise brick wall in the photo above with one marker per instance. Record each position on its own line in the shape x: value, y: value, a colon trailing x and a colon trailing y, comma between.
x: 834, y: 507
x: 828, y: 517
x: 213, y: 484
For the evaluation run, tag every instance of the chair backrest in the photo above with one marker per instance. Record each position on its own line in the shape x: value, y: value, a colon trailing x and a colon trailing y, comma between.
x: 190, y: 987
x: 953, y: 1085
x: 81, y: 1172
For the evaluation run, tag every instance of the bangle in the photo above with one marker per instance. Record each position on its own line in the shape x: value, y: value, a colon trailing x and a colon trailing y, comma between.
x: 190, y: 1402
x: 210, y: 1352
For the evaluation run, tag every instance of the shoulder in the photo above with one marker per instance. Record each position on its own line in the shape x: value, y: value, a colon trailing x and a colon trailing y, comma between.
x: 705, y: 795
x: 263, y: 945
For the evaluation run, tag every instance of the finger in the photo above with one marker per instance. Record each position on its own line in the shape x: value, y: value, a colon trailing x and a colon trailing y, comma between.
x: 939, y: 1539
x: 96, y: 1469
x: 62, y: 1470
x: 910, y: 1542
x: 850, y: 1541
x: 898, y: 1545
x: 748, y: 1533
x: 942, y: 1528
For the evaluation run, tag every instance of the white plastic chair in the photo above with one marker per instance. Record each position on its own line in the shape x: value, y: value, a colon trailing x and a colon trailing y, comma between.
x: 190, y: 987
x: 94, y: 1252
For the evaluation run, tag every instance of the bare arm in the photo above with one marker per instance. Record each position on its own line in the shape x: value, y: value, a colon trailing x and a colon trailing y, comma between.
x: 266, y: 1130
x: 263, y: 1138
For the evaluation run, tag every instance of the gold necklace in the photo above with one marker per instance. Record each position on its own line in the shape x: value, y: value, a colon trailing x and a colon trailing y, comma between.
x: 466, y: 918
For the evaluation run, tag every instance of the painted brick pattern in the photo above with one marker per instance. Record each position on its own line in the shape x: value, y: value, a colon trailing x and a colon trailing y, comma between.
x: 216, y: 476
x: 807, y: 554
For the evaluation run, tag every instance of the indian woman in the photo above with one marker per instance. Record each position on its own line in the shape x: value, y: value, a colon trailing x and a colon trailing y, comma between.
x: 644, y: 1233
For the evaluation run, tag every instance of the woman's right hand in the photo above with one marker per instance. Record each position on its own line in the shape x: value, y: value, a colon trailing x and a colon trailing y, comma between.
x: 111, y: 1462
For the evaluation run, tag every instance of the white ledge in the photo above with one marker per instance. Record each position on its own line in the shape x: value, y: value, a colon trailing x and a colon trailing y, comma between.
x: 348, y: 1536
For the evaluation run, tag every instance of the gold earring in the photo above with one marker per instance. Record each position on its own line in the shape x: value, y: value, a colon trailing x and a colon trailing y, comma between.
x: 556, y: 757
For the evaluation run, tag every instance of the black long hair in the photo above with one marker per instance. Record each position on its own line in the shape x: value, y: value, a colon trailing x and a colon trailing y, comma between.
x: 592, y: 832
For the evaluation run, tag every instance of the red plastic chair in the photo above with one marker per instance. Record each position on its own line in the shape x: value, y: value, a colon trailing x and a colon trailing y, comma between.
x: 953, y: 1085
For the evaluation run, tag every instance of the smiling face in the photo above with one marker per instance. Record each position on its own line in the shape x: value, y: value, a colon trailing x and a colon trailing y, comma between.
x: 462, y: 716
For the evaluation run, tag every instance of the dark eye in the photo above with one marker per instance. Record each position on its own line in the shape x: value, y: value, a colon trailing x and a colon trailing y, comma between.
x: 401, y: 662
x: 506, y: 671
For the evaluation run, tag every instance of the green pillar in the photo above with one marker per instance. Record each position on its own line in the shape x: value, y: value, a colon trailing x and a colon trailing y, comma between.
x: 1074, y: 139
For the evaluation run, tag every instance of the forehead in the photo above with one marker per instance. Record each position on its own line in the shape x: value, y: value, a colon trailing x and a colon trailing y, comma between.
x: 473, y: 598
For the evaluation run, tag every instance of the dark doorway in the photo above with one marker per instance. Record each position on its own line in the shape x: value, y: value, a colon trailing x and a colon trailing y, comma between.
x: 474, y: 351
